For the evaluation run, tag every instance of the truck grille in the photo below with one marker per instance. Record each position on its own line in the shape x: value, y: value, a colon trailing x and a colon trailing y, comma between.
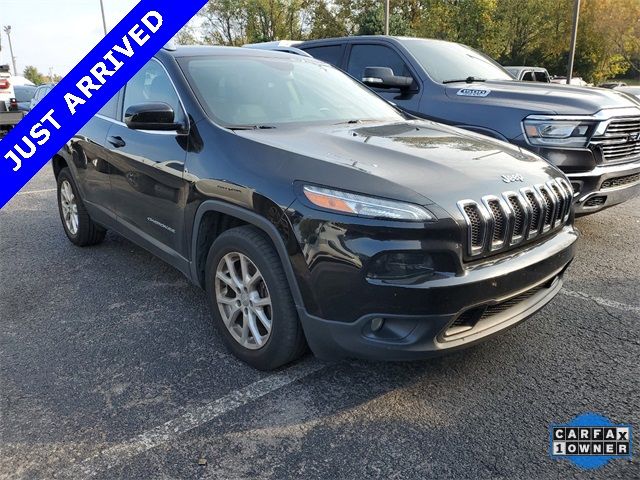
x: 620, y: 181
x: 621, y: 140
x: 497, y: 223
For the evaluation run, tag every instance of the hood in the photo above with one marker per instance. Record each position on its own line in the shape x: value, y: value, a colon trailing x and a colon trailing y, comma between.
x: 539, y: 98
x: 418, y: 161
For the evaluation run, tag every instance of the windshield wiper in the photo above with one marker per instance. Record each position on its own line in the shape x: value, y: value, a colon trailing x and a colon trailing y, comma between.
x: 250, y: 127
x: 356, y: 121
x: 467, y: 80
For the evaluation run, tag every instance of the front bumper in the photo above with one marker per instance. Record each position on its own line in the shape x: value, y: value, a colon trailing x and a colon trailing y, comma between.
x: 489, y: 298
x: 605, y: 186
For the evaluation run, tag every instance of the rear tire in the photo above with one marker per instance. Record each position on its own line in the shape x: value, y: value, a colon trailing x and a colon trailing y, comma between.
x: 250, y: 299
x: 77, y: 224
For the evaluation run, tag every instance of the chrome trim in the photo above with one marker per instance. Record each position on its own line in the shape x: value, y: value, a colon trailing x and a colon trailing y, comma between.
x: 557, y: 190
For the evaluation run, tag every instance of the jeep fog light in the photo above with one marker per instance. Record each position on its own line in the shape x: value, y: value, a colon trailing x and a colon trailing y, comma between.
x: 401, y: 265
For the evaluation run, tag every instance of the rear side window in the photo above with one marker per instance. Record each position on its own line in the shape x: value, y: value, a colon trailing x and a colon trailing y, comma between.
x: 330, y: 53
x: 528, y: 77
x: 363, y: 56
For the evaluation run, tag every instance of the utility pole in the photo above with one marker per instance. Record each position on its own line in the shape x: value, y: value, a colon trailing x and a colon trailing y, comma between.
x: 386, y: 17
x: 7, y: 30
x: 574, y: 36
x: 104, y: 22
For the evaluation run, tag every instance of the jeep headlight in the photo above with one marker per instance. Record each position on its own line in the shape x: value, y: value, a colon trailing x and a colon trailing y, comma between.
x: 558, y: 132
x: 364, y: 205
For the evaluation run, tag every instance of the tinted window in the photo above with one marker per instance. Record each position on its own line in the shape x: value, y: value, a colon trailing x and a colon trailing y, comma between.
x: 445, y: 61
x: 152, y: 84
x: 249, y: 91
x: 542, y: 77
x: 363, y: 56
x: 330, y: 54
x: 528, y: 76
x: 110, y: 109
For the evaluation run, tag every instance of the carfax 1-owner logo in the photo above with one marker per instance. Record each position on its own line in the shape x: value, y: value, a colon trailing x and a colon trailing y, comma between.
x: 590, y: 441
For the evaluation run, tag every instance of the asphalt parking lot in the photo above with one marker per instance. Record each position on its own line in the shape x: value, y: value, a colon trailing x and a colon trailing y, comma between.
x: 110, y: 368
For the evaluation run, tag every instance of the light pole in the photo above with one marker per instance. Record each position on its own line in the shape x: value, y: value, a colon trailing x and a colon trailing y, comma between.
x: 104, y: 22
x: 386, y: 17
x: 574, y: 36
x: 7, y: 30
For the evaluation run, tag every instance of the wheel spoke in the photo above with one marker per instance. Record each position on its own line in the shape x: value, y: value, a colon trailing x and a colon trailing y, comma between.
x: 262, y: 302
x: 244, y: 269
x: 232, y: 272
x: 263, y: 318
x: 254, y: 328
x: 227, y: 280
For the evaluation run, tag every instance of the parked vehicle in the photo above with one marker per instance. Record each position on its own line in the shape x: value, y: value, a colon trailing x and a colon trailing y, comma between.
x: 612, y: 84
x: 286, y: 46
x: 308, y: 207
x: 9, y: 116
x: 635, y: 91
x: 577, y: 81
x: 40, y: 93
x: 593, y: 135
x: 529, y: 74
x: 24, y: 94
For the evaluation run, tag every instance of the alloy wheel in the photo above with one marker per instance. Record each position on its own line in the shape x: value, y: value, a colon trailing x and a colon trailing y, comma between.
x: 69, y: 207
x: 243, y: 300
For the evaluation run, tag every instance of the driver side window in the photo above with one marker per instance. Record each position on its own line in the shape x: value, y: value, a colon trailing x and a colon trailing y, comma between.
x: 152, y: 84
x: 363, y: 56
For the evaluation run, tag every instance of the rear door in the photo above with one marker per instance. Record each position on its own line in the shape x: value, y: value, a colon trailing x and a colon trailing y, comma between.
x: 147, y: 167
x: 331, y: 54
x: 362, y: 55
x: 90, y: 154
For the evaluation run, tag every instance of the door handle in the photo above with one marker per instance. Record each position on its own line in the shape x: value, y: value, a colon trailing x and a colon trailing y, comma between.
x: 117, y: 142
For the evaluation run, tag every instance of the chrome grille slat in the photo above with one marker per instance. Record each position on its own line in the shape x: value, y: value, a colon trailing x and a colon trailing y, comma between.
x: 497, y: 222
x: 618, y: 144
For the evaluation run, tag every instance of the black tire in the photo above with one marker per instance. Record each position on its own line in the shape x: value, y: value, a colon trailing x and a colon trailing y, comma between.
x: 286, y: 342
x: 88, y: 232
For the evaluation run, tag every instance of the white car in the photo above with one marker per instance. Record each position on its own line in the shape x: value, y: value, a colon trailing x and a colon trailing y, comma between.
x: 6, y: 88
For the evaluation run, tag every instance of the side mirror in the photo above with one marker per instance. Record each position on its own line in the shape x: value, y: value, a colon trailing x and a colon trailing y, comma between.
x: 383, y: 77
x: 151, y: 116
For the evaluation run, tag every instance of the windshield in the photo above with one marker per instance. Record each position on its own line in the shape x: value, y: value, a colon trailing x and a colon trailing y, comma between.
x: 268, y: 91
x: 447, y: 62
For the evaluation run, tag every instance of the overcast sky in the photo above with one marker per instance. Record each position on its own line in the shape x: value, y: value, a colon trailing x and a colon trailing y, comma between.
x: 55, y: 33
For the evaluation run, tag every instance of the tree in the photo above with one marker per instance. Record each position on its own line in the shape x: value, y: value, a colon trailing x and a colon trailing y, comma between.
x: 32, y: 74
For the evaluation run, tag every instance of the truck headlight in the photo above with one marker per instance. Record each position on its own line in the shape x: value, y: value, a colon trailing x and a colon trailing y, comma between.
x: 365, y: 206
x: 558, y: 133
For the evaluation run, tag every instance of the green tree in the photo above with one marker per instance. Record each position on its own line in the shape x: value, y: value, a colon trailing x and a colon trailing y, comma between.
x: 32, y: 74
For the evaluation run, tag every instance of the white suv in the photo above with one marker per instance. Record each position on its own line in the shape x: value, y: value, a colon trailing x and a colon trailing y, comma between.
x: 6, y: 88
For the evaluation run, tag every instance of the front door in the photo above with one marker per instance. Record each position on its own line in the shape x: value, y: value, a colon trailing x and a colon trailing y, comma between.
x: 147, y: 167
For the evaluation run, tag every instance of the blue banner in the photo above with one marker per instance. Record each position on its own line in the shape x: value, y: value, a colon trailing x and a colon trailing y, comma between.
x: 85, y: 90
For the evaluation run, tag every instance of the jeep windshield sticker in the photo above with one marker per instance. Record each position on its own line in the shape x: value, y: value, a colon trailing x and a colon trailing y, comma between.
x: 87, y: 88
x: 473, y: 92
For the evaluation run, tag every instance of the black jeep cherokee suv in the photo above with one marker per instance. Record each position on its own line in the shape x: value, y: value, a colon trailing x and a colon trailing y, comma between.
x: 313, y: 212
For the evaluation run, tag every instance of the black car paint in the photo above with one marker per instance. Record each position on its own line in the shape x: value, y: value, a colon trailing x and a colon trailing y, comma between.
x: 165, y: 190
x: 500, y: 113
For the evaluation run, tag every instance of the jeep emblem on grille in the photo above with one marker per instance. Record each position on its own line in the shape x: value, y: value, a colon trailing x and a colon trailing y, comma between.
x: 516, y: 177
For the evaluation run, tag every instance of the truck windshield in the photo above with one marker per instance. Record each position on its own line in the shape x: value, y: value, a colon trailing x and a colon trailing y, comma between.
x: 447, y: 62
x: 262, y: 92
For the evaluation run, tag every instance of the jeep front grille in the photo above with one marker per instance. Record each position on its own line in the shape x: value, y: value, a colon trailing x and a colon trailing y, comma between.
x: 498, y: 222
x: 620, y: 141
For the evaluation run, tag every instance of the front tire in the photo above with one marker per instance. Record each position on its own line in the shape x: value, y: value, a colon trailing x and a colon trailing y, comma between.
x: 250, y: 300
x: 78, y: 226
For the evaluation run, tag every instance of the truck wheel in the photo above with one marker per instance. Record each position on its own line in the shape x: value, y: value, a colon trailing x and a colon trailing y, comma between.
x: 250, y: 299
x: 77, y: 224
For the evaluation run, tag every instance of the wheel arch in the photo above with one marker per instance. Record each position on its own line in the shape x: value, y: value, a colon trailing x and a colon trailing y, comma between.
x: 231, y: 216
